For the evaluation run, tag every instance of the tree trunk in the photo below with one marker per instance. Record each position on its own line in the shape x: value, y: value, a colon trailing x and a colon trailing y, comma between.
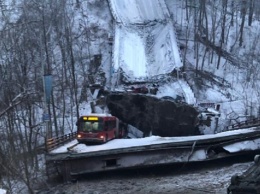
x: 251, y: 12
x: 232, y: 13
x: 243, y: 15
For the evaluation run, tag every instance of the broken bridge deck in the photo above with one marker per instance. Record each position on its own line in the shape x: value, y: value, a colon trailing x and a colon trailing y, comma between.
x: 130, y: 153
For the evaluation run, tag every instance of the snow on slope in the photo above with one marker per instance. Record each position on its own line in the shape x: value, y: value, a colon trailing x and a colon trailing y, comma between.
x: 180, y: 88
x: 146, y: 50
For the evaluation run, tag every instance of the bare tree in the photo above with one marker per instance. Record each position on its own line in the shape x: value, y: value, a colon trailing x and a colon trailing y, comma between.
x: 251, y: 12
x: 243, y: 15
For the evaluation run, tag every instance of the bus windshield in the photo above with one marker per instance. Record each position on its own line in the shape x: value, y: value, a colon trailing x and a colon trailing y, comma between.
x: 91, y: 126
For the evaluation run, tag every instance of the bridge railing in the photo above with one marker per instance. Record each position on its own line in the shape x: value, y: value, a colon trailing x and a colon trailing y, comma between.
x: 55, y: 142
x: 243, y: 124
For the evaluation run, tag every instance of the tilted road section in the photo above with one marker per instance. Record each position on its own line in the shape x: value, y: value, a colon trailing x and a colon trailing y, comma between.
x: 145, y: 42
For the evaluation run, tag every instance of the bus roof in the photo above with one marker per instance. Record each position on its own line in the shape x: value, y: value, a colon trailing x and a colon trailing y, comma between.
x: 97, y: 115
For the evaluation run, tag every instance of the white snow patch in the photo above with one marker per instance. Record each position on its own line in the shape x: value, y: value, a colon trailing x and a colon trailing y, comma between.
x: 2, y: 191
x: 243, y: 146
x: 198, y: 155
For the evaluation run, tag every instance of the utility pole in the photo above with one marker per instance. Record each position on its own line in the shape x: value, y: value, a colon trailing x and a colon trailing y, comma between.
x: 47, y: 78
x: 47, y: 83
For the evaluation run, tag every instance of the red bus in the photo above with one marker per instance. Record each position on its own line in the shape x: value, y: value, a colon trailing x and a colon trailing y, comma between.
x: 99, y: 128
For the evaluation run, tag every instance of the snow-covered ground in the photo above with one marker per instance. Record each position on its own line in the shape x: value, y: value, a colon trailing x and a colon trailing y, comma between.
x: 181, y: 88
x: 2, y: 191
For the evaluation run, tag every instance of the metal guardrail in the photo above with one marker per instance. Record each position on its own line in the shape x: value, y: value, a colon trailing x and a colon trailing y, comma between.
x: 243, y: 124
x: 55, y: 142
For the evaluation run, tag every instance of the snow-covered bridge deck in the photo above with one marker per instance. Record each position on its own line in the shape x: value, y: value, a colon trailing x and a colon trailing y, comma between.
x: 145, y: 42
x: 138, y: 11
x: 132, y: 153
x: 156, y: 140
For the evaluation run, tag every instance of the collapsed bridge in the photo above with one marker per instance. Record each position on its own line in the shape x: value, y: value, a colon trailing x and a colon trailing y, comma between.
x: 145, y: 43
x: 73, y: 159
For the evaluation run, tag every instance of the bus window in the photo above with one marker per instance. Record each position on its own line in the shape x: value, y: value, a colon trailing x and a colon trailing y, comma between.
x: 95, y: 126
x: 91, y: 126
x: 87, y: 126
